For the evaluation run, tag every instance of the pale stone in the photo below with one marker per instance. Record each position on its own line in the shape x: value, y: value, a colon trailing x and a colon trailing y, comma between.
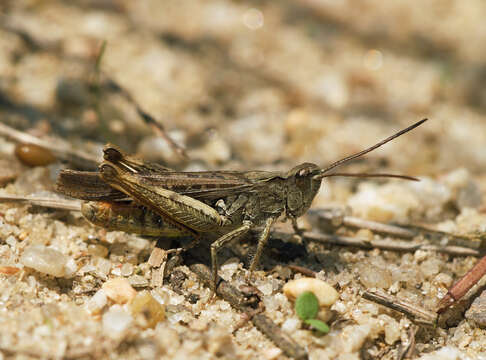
x: 325, y: 293
x: 46, y: 260
x: 119, y: 290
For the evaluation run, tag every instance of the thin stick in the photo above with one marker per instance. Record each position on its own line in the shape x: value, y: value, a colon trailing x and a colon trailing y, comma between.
x: 417, y: 314
x: 387, y: 244
x: 148, y: 119
x: 375, y: 226
x: 361, y: 153
x: 240, y: 301
x: 408, y: 350
x: 472, y: 241
x: 52, y: 202
x: 302, y: 270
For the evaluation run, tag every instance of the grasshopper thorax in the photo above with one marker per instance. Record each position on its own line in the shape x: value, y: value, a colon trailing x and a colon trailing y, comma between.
x: 302, y: 188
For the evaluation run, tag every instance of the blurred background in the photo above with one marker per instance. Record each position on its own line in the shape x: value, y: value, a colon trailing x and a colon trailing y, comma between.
x: 248, y: 85
x: 252, y: 84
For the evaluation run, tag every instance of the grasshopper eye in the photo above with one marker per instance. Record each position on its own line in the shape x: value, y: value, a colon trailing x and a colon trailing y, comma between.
x: 112, y: 154
x: 305, y: 172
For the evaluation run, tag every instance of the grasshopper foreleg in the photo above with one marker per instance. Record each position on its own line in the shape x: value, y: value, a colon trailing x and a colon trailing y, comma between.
x: 218, y: 244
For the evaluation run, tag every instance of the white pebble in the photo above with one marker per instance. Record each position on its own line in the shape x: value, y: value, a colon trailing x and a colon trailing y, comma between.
x: 272, y: 353
x: 70, y: 268
x: 11, y: 241
x: 430, y: 266
x: 97, y: 302
x: 266, y: 288
x: 45, y: 260
x: 116, y: 321
x: 375, y: 277
x: 325, y: 293
x: 291, y: 325
x: 446, y: 353
x: 353, y: 337
x: 103, y: 266
x: 443, y: 279
x: 391, y: 327
x: 126, y: 269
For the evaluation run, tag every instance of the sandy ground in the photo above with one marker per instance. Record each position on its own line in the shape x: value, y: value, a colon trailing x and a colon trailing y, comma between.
x: 247, y: 85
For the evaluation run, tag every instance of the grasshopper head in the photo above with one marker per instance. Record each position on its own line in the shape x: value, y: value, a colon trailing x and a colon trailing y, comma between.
x: 303, y: 187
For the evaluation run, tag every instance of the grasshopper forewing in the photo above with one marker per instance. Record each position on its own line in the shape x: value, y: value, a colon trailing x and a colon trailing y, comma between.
x: 226, y: 204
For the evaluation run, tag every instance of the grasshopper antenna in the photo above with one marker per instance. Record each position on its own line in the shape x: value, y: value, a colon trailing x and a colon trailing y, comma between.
x: 404, y: 177
x: 322, y: 172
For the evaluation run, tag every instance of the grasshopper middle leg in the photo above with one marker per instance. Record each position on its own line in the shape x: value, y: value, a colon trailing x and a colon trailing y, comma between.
x: 262, y: 241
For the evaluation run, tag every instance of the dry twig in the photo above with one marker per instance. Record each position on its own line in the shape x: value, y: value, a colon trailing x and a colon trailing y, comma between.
x: 384, y: 244
x: 48, y: 202
x: 354, y: 222
x: 156, y: 126
x: 418, y: 315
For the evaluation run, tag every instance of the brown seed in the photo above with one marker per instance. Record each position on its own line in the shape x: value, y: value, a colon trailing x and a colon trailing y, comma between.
x: 34, y: 155
x: 9, y: 270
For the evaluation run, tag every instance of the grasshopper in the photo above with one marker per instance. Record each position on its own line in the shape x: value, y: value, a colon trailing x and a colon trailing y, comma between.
x: 135, y: 196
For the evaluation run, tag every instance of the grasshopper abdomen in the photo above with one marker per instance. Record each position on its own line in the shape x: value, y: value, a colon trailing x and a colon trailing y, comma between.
x: 128, y: 217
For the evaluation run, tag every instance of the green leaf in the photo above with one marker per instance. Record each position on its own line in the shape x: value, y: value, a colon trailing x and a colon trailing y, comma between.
x: 307, y: 305
x: 318, y: 325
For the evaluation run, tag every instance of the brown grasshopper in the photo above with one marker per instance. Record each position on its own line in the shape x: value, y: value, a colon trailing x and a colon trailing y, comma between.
x: 139, y: 197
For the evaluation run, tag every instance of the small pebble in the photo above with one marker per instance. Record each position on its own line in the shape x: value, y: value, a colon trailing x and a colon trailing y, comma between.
x: 145, y: 304
x: 119, y: 290
x: 126, y: 269
x: 220, y: 343
x: 138, y: 281
x: 272, y: 353
x: 102, y: 265
x: 11, y: 241
x: 70, y: 268
x: 45, y: 260
x: 430, y: 266
x: 116, y: 321
x: 372, y: 277
x: 443, y: 279
x: 97, y: 302
x: 291, y: 325
x: 97, y: 250
x: 477, y: 311
x: 34, y: 155
x: 325, y: 293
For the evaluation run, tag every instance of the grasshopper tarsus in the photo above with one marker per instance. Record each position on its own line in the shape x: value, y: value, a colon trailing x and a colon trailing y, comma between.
x: 223, y: 203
